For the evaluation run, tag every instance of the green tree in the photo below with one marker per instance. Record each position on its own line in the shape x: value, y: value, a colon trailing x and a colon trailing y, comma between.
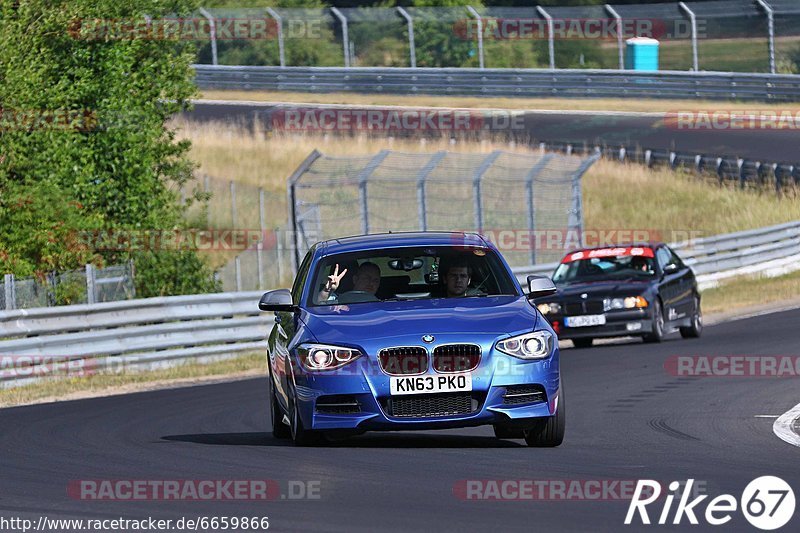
x: 85, y: 142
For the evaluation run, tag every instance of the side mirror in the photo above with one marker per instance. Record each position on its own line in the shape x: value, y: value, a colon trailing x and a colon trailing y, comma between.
x: 277, y: 300
x: 670, y: 268
x: 539, y: 286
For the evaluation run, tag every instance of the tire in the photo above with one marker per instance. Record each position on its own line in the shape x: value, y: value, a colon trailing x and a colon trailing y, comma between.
x: 549, y: 431
x: 583, y: 343
x: 300, y: 435
x: 696, y: 329
x: 657, y: 334
x: 279, y: 429
x: 502, y: 432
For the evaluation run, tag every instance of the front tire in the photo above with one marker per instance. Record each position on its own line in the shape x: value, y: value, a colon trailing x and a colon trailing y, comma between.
x: 299, y: 434
x: 657, y: 334
x: 549, y: 431
x: 696, y: 328
x: 279, y: 429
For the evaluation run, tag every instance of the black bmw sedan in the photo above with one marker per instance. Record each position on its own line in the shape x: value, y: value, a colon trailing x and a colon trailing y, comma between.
x: 632, y: 290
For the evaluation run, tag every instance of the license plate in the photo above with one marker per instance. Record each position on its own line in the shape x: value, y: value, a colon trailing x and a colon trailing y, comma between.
x: 430, y: 384
x: 585, y: 320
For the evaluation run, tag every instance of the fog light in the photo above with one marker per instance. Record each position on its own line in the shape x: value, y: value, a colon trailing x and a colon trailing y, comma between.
x: 633, y: 326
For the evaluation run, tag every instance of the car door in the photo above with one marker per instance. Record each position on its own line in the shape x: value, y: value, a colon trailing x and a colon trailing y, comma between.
x: 283, y: 332
x: 669, y: 286
x: 685, y: 298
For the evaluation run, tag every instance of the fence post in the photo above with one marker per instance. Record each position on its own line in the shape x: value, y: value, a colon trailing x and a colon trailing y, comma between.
x: 260, y: 264
x: 550, y: 37
x: 10, y: 292
x: 91, y: 295
x: 480, y: 34
x: 345, y: 36
x: 280, y: 254
x: 529, y: 177
x: 213, y: 30
x: 237, y: 263
x: 620, y: 37
x: 421, y: 196
x: 771, y: 29
x: 279, y: 20
x: 693, y: 20
x: 476, y: 187
x: 206, y: 189
x: 362, y: 179
x: 412, y: 50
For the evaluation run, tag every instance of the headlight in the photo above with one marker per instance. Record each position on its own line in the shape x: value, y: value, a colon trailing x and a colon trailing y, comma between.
x: 549, y: 308
x: 318, y: 357
x: 536, y: 345
x: 631, y: 302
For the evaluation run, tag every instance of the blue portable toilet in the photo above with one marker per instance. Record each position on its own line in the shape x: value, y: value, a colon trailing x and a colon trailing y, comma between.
x: 641, y: 54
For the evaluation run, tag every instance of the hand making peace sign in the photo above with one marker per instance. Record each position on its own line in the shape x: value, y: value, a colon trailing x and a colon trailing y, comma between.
x: 334, y: 279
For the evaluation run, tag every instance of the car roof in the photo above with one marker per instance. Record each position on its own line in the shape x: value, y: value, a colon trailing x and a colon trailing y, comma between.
x: 651, y: 244
x: 401, y: 240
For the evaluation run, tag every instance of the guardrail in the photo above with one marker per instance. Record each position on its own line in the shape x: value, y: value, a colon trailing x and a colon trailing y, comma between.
x: 763, y: 250
x: 157, y: 332
x: 575, y: 83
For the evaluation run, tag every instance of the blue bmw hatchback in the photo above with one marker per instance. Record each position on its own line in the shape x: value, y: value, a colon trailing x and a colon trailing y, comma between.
x: 412, y: 331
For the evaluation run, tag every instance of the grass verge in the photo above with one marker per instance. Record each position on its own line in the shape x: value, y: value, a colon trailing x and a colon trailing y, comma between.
x: 751, y: 291
x: 106, y: 384
x: 640, y: 105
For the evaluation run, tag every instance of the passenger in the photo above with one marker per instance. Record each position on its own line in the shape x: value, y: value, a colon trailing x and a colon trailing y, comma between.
x: 366, y: 281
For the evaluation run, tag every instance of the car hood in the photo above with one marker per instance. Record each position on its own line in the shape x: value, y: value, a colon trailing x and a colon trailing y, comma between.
x: 495, y: 315
x: 600, y: 289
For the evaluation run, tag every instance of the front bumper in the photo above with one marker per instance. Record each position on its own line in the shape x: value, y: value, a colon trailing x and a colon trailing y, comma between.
x: 364, y: 384
x: 618, y: 324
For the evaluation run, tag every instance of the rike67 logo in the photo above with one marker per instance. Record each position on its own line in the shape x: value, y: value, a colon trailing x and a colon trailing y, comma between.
x: 767, y: 502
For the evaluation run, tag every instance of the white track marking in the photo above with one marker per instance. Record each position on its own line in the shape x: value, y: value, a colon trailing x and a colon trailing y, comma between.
x: 784, y: 426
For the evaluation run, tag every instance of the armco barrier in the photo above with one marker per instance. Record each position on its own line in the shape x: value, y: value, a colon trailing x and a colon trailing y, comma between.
x: 505, y: 82
x: 155, y: 332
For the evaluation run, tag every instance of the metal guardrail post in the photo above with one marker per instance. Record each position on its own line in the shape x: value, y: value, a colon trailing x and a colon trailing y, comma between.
x: 550, y: 37
x: 771, y: 29
x: 345, y: 35
x: 9, y: 288
x: 412, y: 50
x: 529, y: 177
x: 476, y: 187
x: 478, y: 18
x: 281, y: 47
x: 91, y: 292
x: 363, y: 178
x: 693, y: 21
x: 213, y: 28
x: 620, y: 37
x: 421, y: 177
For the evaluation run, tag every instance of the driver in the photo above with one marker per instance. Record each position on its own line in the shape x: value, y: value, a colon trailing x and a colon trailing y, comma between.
x: 640, y: 263
x: 366, y: 279
x: 457, y: 277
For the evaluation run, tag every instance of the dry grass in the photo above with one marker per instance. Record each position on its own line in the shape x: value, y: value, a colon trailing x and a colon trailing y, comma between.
x: 571, y: 104
x: 616, y: 196
x: 748, y: 291
x: 103, y: 384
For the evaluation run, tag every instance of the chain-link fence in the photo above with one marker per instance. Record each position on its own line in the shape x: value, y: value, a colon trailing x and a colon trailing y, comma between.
x: 719, y: 35
x: 501, y: 195
x: 88, y: 285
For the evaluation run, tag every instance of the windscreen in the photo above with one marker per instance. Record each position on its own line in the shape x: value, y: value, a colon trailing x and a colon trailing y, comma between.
x: 606, y: 264
x: 409, y: 274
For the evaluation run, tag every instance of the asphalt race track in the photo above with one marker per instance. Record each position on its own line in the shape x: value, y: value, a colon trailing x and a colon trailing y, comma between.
x: 629, y: 129
x: 628, y: 419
